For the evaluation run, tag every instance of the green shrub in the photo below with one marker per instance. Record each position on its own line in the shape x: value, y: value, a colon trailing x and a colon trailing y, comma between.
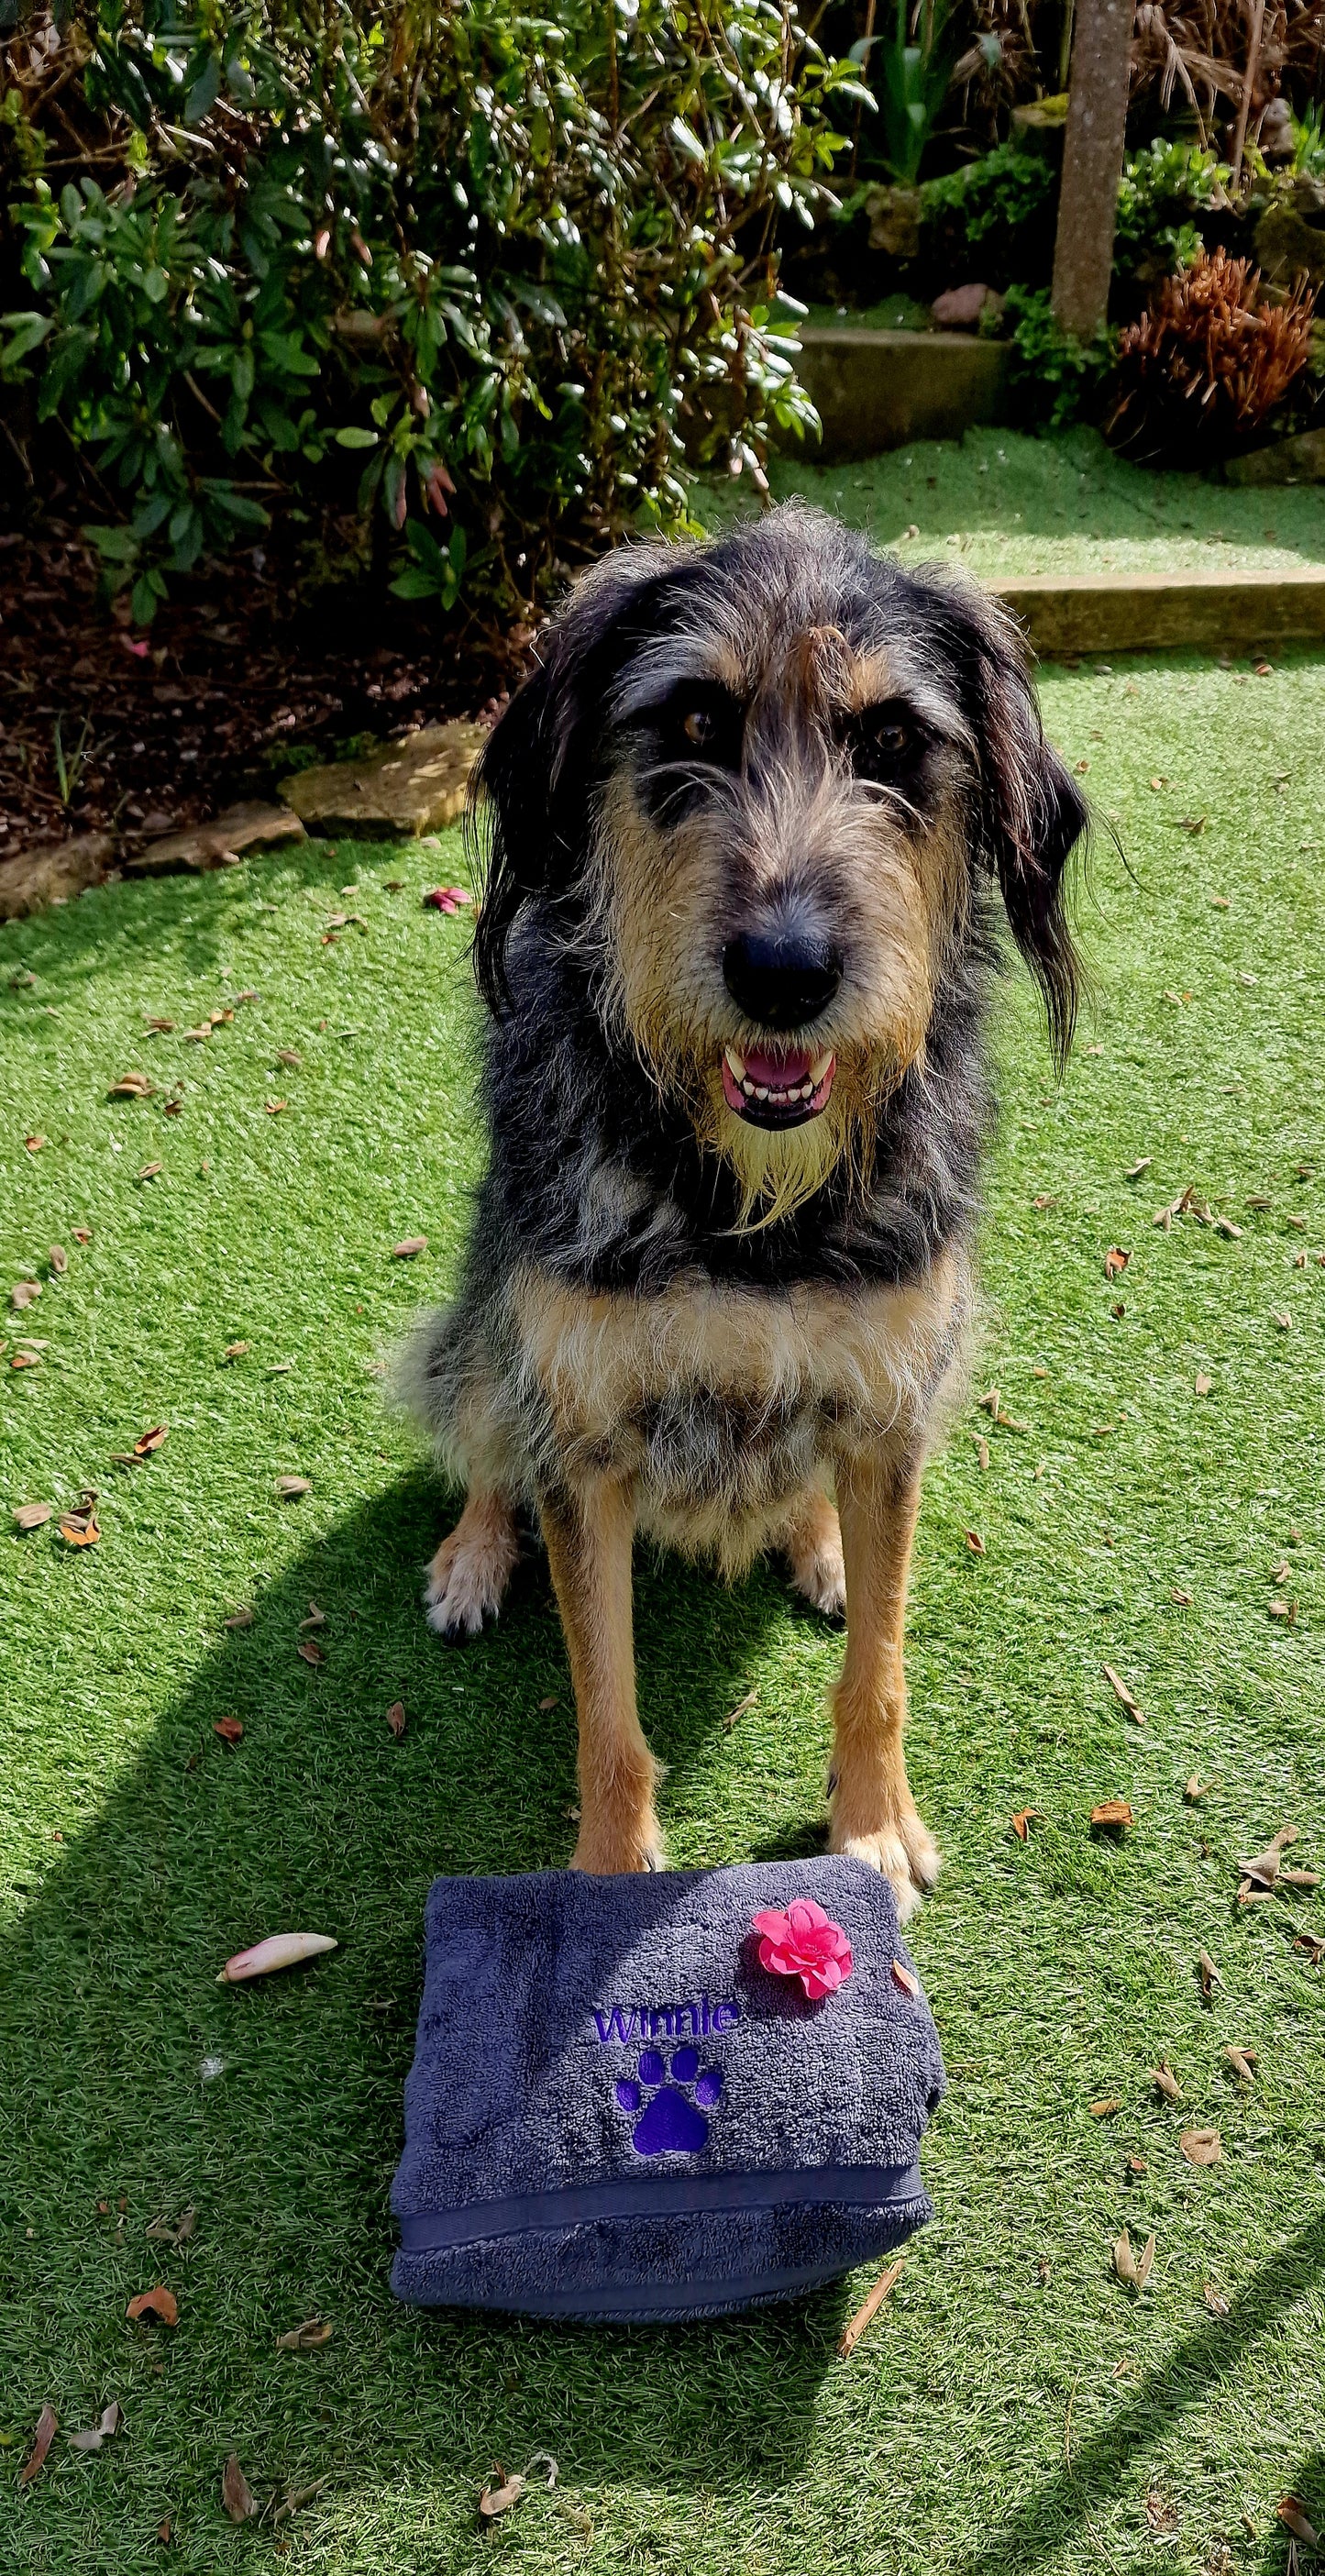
x: 1054, y: 379
x: 494, y: 282
x: 1163, y: 196
x: 993, y: 218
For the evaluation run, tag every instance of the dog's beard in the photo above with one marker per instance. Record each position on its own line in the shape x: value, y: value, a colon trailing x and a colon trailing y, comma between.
x: 778, y: 1168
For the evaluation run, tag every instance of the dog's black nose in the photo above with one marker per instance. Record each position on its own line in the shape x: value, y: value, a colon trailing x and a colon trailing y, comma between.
x: 781, y: 978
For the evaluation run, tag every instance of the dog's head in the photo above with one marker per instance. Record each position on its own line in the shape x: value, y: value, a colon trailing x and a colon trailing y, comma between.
x: 759, y: 782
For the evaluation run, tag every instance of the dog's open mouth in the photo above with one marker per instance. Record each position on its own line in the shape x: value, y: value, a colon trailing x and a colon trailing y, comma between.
x: 774, y: 1090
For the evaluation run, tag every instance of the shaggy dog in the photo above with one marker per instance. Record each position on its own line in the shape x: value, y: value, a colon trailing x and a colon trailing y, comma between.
x: 749, y: 821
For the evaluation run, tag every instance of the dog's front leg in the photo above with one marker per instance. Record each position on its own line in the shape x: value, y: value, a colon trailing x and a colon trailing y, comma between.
x: 589, y: 1534
x: 873, y: 1813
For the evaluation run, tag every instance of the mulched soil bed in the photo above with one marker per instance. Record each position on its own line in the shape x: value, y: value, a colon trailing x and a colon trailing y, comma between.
x: 105, y: 728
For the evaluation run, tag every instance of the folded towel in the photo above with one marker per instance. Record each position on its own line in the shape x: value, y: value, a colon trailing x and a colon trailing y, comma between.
x: 617, y: 2109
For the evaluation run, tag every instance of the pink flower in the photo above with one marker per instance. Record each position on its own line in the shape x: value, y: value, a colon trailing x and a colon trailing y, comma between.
x: 804, y: 1943
x: 446, y: 898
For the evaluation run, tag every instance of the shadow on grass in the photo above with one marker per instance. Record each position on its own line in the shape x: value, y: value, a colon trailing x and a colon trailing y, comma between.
x: 275, y: 2109
x: 1092, y: 2477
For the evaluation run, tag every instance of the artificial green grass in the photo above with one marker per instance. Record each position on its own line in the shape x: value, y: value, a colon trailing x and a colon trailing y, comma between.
x: 1014, y: 2407
x: 1001, y: 502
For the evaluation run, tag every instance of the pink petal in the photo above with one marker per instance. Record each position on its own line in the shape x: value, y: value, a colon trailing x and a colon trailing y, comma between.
x: 804, y: 1915
x: 775, y: 1925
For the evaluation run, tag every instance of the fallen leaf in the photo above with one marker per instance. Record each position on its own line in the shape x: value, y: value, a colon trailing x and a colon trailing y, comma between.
x: 163, y: 2531
x: 1202, y: 2146
x: 903, y: 1977
x: 298, y: 2496
x: 395, y: 1718
x: 1280, y: 1316
x: 989, y: 1403
x: 981, y: 1452
x: 1183, y: 1599
x: 1048, y: 1198
x: 162, y: 1028
x: 279, y: 1950
x: 149, y: 1171
x: 1081, y: 767
x: 1167, y: 2081
x: 1121, y: 1692
x: 1115, y: 1261
x: 34, y: 1145
x: 1195, y: 1790
x: 1135, y: 1170
x: 151, y: 1440
x: 1266, y: 1865
x: 498, y: 2499
x: 236, y: 1350
x: 78, y: 1529
x: 870, y: 2306
x: 1105, y: 2110
x: 111, y: 2421
x: 1242, y: 2061
x: 1161, y: 2515
x: 1214, y: 2299
x: 274, y: 1107
x: 163, y: 2232
x: 1204, y: 1384
x: 236, y: 2494
x: 1157, y: 783
x: 742, y: 1709
x: 24, y: 1293
x: 309, y: 2337
x: 1113, y: 1812
x: 412, y: 1244
x: 316, y: 1618
x: 1289, y: 2511
x: 1137, y: 2165
x: 240, y: 1618
x: 158, y: 2307
x: 230, y: 1729
x: 1021, y: 1822
x: 1286, y: 1610
x: 309, y: 1648
x: 47, y: 2426
x: 25, y: 1359
x: 290, y: 1488
x: 975, y: 1543
x: 1044, y: 2270
x: 30, y: 1516
x: 195, y: 1037
x: 289, y: 1056
x: 1208, y: 1972
x: 1124, y: 2260
x: 550, y: 1702
x: 82, y: 1234
x: 131, y: 1086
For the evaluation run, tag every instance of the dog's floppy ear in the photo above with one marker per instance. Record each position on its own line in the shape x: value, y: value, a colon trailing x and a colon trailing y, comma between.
x: 1030, y: 811
x: 533, y: 783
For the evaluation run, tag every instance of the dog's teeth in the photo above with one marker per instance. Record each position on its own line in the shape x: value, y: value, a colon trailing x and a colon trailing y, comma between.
x: 818, y: 1070
x: 747, y: 1086
x: 761, y: 1091
x: 736, y: 1062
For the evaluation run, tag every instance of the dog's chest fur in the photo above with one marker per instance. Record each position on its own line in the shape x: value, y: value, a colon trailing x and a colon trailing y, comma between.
x: 721, y: 1405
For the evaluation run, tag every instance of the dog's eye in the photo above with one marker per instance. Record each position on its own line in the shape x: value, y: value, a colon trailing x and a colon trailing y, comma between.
x: 884, y: 742
x: 703, y: 720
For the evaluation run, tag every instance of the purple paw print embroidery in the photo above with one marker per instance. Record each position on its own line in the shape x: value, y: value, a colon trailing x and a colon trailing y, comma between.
x: 673, y: 2120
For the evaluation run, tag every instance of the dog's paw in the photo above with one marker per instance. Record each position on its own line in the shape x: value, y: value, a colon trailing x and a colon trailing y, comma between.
x: 468, y: 1576
x: 903, y: 1852
x: 609, y: 1855
x: 814, y: 1553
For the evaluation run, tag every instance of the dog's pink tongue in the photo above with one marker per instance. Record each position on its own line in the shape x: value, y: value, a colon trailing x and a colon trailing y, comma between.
x: 778, y: 1072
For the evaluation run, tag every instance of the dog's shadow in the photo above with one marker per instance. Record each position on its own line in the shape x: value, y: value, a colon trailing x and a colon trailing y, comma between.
x: 274, y: 2110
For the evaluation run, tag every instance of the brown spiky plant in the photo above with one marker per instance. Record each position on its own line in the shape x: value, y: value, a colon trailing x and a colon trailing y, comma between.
x: 1208, y: 362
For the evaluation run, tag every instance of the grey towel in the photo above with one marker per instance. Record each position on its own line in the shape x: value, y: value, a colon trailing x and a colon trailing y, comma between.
x: 615, y: 2111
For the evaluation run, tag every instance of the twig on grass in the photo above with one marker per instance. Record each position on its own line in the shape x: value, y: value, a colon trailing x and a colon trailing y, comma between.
x: 869, y: 2308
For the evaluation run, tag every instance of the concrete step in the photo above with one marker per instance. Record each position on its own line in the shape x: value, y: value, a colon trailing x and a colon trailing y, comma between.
x: 1138, y: 612
x: 878, y: 389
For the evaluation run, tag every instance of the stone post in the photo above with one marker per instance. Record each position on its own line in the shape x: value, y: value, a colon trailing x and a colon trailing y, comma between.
x: 1092, y: 164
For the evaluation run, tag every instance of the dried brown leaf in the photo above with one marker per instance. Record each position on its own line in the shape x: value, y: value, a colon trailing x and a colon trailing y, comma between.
x: 395, y: 1718
x: 47, y: 2426
x: 870, y: 2306
x: 989, y: 1403
x: 551, y: 1701
x: 1167, y: 2081
x: 1242, y: 2061
x: 1112, y: 1812
x: 1135, y: 1170
x: 1289, y: 2510
x: 1265, y: 1867
x: 1121, y: 1692
x: 309, y: 2337
x: 975, y: 1543
x: 1204, y: 1384
x: 240, y: 1618
x: 1208, y: 1973
x: 498, y: 2499
x: 1145, y: 2262
x: 230, y: 1729
x: 290, y: 1488
x: 1196, y: 1789
x: 1105, y: 2110
x: 1161, y: 2514
x: 111, y: 2420
x: 30, y: 1516
x: 236, y: 1350
x: 406, y: 1251
x: 1022, y: 1821
x: 1115, y: 1261
x: 23, y: 1294
x: 152, y: 1440
x: 903, y: 1977
x: 131, y: 1086
x: 1214, y: 2299
x: 1124, y: 2260
x: 1286, y: 1610
x: 981, y: 1452
x: 78, y: 1529
x: 316, y: 1618
x: 158, y: 2307
x: 1202, y: 2146
x: 236, y: 2494
x: 309, y: 1648
x: 742, y: 1709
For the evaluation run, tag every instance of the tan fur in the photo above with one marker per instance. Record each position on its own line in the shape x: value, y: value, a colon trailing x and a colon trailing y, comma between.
x: 588, y: 1539
x: 471, y: 1569
x: 873, y: 1813
x: 812, y: 1545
